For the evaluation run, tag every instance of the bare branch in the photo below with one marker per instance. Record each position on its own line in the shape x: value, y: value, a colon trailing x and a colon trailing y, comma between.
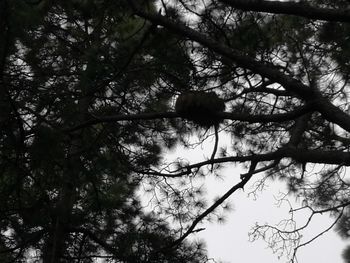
x: 317, y: 236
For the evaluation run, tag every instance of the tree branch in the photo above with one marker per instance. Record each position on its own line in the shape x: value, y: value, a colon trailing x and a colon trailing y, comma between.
x: 259, y: 118
x: 263, y: 118
x: 301, y: 8
x: 298, y: 130
x: 263, y: 68
x: 304, y: 156
x: 268, y: 70
x: 237, y: 186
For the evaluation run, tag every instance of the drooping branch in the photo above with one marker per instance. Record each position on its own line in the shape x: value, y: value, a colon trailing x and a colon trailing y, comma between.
x: 301, y: 8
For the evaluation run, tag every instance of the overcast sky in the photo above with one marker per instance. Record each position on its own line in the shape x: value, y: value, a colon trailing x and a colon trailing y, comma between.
x: 229, y: 241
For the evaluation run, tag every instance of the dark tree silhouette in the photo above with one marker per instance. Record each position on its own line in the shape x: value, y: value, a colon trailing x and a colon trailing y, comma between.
x: 87, y: 96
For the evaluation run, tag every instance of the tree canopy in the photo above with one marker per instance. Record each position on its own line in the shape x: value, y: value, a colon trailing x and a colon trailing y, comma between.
x: 87, y: 113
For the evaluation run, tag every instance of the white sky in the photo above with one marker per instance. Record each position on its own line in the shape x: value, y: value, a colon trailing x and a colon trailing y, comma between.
x: 228, y: 241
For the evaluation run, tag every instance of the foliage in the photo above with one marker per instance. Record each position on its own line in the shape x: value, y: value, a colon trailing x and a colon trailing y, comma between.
x: 87, y: 92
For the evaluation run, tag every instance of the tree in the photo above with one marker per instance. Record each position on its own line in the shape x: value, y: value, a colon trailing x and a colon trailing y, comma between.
x: 69, y: 194
x: 87, y: 96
